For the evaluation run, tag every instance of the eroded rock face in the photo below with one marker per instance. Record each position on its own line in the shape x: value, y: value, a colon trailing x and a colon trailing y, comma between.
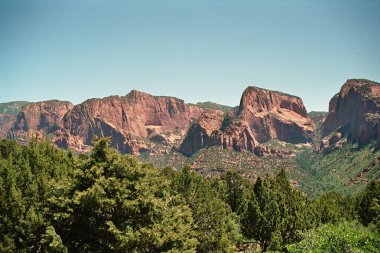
x: 128, y: 118
x: 131, y: 121
x: 213, y: 129
x: 237, y: 136
x: 355, y: 112
x: 137, y: 121
x: 328, y: 144
x: 40, y: 117
x: 274, y: 115
x: 262, y: 115
x: 6, y: 123
x: 199, y: 133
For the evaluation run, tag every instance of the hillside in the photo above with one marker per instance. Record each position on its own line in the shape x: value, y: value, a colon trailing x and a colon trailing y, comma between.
x: 13, y: 107
x: 346, y: 170
x: 213, y: 106
x: 57, y: 201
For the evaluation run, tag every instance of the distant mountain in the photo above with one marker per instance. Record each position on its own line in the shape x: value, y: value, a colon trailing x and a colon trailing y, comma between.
x: 317, y: 116
x: 269, y: 130
x: 213, y: 106
x: 138, y: 122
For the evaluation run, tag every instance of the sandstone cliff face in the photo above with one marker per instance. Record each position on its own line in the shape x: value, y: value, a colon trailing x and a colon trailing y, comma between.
x: 274, y: 115
x: 39, y: 117
x: 6, y: 123
x: 138, y: 120
x: 262, y: 115
x: 355, y: 112
x: 334, y: 142
x: 213, y: 129
x: 128, y: 118
x: 199, y: 134
x: 237, y: 136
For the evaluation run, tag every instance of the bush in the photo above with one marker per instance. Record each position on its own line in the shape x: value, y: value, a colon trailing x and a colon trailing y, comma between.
x: 344, y: 237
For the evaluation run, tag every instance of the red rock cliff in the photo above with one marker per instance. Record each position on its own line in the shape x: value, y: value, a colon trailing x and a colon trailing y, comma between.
x: 39, y: 117
x: 215, y: 129
x: 6, y: 123
x: 126, y: 118
x: 275, y: 115
x: 355, y: 112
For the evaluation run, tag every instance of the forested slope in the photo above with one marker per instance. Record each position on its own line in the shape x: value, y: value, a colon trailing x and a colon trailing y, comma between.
x: 52, y: 200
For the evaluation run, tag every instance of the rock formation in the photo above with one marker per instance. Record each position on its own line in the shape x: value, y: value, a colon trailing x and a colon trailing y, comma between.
x: 355, y: 112
x: 262, y: 115
x: 6, y: 123
x: 317, y: 117
x: 39, y: 117
x: 128, y: 118
x: 328, y: 144
x: 199, y: 133
x: 212, y: 129
x: 138, y: 120
x: 275, y: 115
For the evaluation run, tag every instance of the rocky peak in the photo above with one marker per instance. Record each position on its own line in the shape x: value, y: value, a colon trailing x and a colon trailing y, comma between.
x: 275, y: 115
x: 41, y: 115
x: 355, y: 112
x: 366, y: 88
x: 6, y: 123
x: 258, y: 99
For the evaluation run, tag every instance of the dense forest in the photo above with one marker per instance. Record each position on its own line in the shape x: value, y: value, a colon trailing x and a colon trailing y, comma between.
x: 52, y: 200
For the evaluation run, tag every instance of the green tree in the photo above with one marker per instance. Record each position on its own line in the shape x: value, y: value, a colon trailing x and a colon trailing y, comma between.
x: 213, y: 225
x: 261, y: 219
x: 236, y: 190
x: 369, y: 204
x: 27, y: 175
x: 117, y: 204
x: 276, y: 213
x: 332, y: 207
x: 342, y: 237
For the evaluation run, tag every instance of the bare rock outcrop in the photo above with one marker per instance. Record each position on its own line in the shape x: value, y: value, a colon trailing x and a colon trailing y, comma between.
x: 333, y: 142
x: 355, y: 112
x: 213, y: 129
x: 130, y: 118
x: 262, y: 115
x: 6, y: 123
x: 131, y: 121
x: 199, y: 133
x: 237, y: 136
x: 42, y: 117
x: 275, y: 115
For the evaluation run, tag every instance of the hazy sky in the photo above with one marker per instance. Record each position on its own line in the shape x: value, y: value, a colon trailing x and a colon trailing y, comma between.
x: 194, y: 50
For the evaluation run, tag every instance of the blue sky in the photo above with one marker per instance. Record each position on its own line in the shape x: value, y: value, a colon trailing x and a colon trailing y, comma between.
x: 194, y: 50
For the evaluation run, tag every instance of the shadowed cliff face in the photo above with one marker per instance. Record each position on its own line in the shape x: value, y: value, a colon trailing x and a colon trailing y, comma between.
x: 199, y: 133
x: 6, y: 123
x: 274, y: 115
x: 355, y: 112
